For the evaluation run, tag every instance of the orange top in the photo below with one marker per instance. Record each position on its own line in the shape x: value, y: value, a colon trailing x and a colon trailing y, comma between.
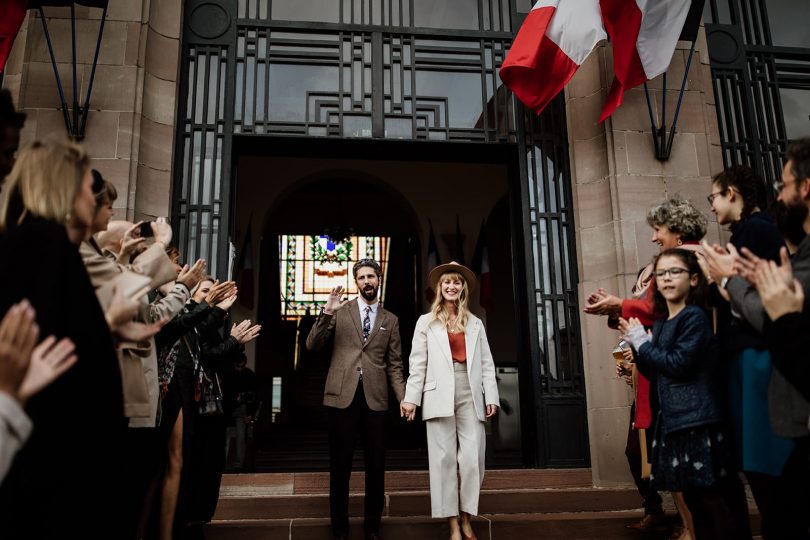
x: 458, y: 348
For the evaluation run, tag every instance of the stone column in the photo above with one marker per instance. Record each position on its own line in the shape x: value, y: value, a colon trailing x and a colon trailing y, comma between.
x: 616, y: 178
x: 130, y: 127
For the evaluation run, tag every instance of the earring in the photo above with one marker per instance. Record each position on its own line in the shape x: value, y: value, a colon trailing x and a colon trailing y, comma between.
x: 680, y: 242
x: 67, y: 217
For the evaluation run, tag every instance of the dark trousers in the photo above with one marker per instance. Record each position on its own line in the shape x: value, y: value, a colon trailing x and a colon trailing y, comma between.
x: 719, y: 512
x: 345, y: 427
x: 652, y: 500
x: 791, y: 503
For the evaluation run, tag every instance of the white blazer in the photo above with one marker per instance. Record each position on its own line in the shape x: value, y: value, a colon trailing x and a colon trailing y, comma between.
x: 431, y: 382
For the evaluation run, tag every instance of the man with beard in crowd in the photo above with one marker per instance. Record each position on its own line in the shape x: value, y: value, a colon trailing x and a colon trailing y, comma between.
x: 789, y: 410
x: 366, y: 358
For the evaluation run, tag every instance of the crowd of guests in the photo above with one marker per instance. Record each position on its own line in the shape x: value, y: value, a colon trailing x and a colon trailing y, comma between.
x: 713, y: 344
x: 114, y: 349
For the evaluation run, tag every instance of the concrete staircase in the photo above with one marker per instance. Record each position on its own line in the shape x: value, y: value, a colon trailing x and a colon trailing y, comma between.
x: 533, y: 503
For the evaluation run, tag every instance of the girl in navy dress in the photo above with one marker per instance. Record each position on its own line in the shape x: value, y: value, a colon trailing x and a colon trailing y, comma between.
x: 691, y: 450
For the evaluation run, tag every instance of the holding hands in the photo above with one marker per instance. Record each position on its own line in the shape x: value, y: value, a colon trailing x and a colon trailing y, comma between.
x: 407, y: 411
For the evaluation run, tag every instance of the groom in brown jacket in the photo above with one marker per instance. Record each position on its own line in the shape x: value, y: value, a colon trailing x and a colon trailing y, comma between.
x: 366, y: 358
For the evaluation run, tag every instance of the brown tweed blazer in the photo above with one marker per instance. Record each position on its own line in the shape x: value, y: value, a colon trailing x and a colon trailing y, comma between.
x: 380, y: 357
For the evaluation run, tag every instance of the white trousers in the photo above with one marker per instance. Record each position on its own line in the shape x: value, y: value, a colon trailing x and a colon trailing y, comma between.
x: 456, y: 448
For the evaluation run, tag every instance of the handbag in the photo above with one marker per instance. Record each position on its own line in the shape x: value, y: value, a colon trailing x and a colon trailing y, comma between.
x: 207, y: 388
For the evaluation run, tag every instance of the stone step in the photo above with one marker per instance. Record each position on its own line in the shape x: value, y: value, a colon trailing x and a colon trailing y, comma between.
x: 557, y: 526
x: 417, y: 503
x: 296, y: 483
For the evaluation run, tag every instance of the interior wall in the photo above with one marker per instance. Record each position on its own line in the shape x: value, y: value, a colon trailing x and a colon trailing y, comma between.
x: 437, y: 193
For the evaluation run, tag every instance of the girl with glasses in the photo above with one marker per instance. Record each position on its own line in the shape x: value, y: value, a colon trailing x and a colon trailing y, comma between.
x: 691, y: 452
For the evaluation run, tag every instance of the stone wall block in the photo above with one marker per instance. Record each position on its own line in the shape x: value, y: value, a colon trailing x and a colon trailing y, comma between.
x: 620, y: 162
x: 626, y: 248
x: 152, y: 197
x: 645, y: 248
x: 716, y: 159
x: 635, y: 194
x: 694, y: 189
x: 583, y: 116
x: 683, y: 161
x: 641, y: 155
x: 588, y: 78
x: 117, y: 172
x: 114, y: 88
x: 158, y: 99
x: 609, y: 435
x: 131, y: 54
x: 599, y: 243
x: 165, y: 17
x: 156, y: 144
x: 39, y: 85
x: 590, y: 160
x: 126, y: 129
x: 113, y: 42
x: 16, y: 57
x: 691, y: 117
x: 101, y: 139
x: 632, y: 114
x: 712, y: 126
x: 49, y: 125
x: 702, y: 150
x: 594, y: 207
x: 162, y: 56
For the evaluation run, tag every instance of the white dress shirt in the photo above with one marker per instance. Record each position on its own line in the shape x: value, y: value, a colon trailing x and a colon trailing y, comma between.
x: 372, y: 315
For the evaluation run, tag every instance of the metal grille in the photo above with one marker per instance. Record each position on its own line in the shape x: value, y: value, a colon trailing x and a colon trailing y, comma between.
x: 368, y: 84
x: 553, y: 254
x: 199, y: 209
x: 483, y: 15
x: 751, y: 76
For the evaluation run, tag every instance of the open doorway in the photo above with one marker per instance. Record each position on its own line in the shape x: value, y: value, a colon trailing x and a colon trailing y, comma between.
x: 312, y: 217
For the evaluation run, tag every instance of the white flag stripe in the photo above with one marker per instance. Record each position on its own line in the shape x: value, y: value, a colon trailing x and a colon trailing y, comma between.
x: 545, y: 3
x: 576, y: 27
x: 661, y: 25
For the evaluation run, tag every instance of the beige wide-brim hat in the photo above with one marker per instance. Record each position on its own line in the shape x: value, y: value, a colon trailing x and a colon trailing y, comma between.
x: 436, y: 274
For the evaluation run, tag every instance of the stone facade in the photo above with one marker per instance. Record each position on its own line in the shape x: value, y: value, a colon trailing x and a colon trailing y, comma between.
x: 615, y: 174
x: 616, y: 178
x: 130, y: 128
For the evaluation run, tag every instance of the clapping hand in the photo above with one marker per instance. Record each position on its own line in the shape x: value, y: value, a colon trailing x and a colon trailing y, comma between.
x: 219, y: 292
x: 634, y: 332
x: 601, y: 302
x: 244, y: 332
x: 335, y: 301
x: 137, y: 331
x: 49, y: 360
x: 190, y: 277
x: 18, y: 335
x: 407, y: 411
x: 779, y: 297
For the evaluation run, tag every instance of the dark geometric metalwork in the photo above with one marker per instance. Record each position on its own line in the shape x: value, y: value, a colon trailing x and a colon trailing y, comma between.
x: 750, y: 74
x: 554, y: 326
x: 429, y: 89
x: 478, y: 15
x: 393, y: 69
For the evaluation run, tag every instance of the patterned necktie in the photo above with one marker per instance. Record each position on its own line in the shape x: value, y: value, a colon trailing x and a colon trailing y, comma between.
x: 367, y: 324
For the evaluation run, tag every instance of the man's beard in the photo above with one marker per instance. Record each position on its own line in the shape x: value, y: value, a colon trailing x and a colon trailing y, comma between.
x: 369, y: 295
x: 790, y: 220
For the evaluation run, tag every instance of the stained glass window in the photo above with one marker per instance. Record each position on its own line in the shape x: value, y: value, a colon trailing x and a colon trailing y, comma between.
x: 312, y: 265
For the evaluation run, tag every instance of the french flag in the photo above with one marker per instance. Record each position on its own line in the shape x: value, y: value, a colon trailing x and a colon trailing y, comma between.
x: 554, y: 40
x: 644, y: 34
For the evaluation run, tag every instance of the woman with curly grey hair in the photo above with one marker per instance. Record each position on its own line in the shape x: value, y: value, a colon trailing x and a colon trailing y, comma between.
x: 675, y: 222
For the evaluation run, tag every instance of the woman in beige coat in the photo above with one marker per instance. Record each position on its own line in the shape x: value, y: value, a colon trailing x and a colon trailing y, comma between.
x: 452, y: 376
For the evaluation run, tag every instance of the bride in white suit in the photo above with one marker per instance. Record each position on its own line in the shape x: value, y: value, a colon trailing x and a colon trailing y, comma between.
x: 452, y: 377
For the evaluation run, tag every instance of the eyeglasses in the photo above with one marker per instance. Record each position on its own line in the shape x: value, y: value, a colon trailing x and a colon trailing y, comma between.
x: 672, y: 272
x: 713, y: 196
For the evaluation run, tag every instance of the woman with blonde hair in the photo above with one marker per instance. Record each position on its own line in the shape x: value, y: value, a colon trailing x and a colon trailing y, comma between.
x: 46, y: 210
x: 452, y: 376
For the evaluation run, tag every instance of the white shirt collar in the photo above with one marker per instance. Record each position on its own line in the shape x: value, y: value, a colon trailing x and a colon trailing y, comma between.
x: 361, y: 302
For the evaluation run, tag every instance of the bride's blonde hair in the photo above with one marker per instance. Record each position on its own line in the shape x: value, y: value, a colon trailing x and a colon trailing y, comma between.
x: 440, y: 311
